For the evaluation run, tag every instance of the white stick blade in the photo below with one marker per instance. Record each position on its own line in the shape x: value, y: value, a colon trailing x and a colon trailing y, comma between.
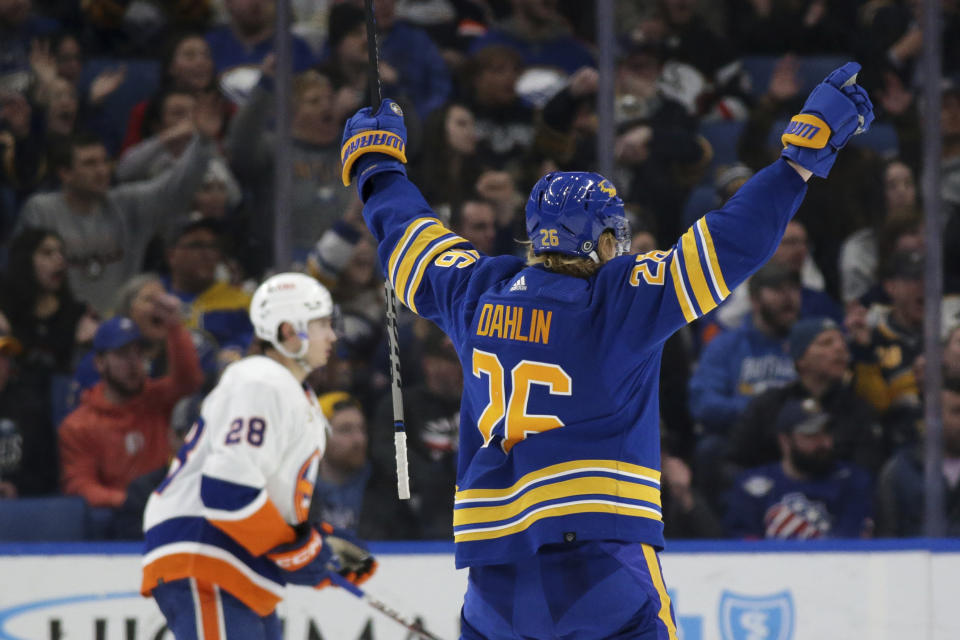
x: 403, y: 477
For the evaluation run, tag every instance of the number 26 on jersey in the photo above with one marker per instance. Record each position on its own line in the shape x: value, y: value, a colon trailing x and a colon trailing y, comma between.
x: 518, y: 424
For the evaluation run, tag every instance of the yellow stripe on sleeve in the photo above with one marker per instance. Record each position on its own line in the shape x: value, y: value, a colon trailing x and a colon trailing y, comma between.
x: 410, y: 259
x: 691, y: 261
x: 681, y: 290
x: 712, y: 258
x: 665, y: 614
x: 565, y: 489
x: 422, y: 268
x: 401, y: 246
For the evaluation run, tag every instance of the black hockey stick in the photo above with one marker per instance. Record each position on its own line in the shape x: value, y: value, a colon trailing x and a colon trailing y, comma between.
x: 399, y: 429
x: 381, y: 606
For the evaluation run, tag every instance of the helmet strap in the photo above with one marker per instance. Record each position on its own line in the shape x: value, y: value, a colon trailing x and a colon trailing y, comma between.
x: 300, y: 355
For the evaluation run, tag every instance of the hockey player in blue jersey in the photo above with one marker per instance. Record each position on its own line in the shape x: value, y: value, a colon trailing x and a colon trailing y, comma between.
x: 557, y: 510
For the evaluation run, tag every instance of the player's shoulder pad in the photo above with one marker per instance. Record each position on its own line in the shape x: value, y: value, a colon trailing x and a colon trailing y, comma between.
x: 636, y: 270
x: 491, y: 270
x: 504, y: 266
x: 260, y: 371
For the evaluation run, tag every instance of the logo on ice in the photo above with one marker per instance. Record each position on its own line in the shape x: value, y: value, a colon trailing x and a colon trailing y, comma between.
x: 756, y: 617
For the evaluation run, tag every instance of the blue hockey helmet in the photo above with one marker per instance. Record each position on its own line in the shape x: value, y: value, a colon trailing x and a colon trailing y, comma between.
x: 569, y: 210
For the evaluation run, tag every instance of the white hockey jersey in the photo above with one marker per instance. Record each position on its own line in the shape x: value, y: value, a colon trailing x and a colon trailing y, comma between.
x: 244, y: 475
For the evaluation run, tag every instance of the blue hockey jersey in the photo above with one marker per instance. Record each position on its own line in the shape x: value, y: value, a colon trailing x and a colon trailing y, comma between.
x: 559, y: 422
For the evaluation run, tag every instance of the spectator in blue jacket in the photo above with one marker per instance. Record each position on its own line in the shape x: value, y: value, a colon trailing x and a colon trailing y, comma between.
x: 807, y: 494
x: 900, y: 490
x: 422, y: 74
x: 345, y: 467
x: 540, y: 34
x: 793, y: 253
x: 822, y: 360
x: 738, y: 365
x: 18, y: 29
x: 240, y: 47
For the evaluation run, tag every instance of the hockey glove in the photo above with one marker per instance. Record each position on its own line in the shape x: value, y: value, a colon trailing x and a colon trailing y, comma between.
x: 356, y: 563
x: 305, y: 560
x: 836, y: 110
x: 373, y: 143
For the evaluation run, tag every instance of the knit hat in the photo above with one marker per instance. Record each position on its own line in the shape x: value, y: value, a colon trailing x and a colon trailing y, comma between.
x: 803, y: 416
x: 331, y: 402
x: 191, y: 223
x: 806, y: 331
x: 905, y: 265
x: 726, y: 175
x: 772, y: 275
x: 9, y: 345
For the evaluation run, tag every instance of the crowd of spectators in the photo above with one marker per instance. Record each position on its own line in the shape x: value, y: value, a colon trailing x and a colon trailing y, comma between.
x: 137, y: 154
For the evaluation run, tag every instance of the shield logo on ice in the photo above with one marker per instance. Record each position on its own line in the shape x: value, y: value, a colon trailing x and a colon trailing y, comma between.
x: 756, y: 617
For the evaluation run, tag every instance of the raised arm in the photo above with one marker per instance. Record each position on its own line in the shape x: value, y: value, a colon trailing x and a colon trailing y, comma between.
x: 136, y: 161
x: 428, y: 265
x: 147, y: 203
x: 185, y: 375
x: 725, y: 246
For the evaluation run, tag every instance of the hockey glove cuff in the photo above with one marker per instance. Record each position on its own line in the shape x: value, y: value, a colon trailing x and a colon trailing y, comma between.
x: 366, y: 133
x: 356, y: 563
x: 304, y: 561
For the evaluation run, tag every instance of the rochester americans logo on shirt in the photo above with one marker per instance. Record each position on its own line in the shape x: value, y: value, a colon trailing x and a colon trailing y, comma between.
x: 798, y: 517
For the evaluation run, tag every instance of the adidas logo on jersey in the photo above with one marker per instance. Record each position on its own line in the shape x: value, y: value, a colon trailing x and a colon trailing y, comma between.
x: 520, y: 285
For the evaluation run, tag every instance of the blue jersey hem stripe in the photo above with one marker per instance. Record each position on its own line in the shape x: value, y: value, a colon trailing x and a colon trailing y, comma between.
x: 607, y: 499
x: 433, y: 547
x: 472, y: 503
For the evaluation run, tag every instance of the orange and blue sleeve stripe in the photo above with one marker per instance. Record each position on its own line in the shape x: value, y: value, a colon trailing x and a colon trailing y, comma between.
x: 422, y: 241
x: 244, y: 513
x: 698, y: 280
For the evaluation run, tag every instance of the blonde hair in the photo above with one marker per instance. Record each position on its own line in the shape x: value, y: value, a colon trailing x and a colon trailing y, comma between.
x: 573, y: 265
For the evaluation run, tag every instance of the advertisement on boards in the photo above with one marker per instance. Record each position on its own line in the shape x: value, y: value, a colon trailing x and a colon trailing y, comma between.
x: 717, y: 596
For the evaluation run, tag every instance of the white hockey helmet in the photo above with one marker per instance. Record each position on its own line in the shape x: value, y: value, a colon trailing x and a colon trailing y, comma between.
x: 288, y: 297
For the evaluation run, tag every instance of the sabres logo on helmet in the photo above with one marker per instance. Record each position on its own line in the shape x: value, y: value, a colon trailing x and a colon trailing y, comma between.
x: 568, y: 212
